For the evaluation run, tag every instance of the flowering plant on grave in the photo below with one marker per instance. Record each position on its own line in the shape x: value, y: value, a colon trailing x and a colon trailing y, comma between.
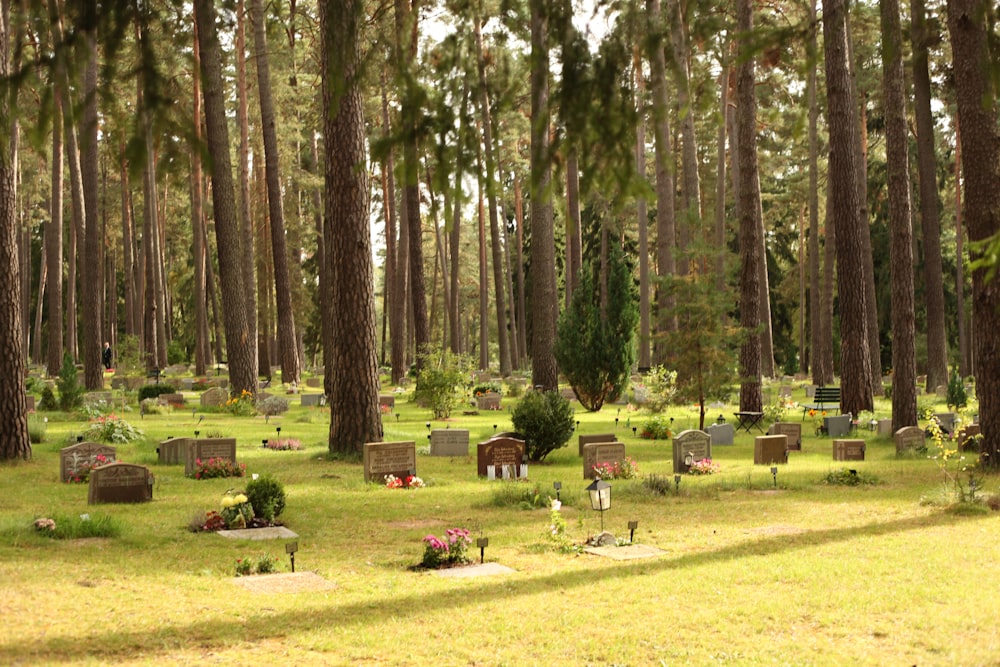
x: 284, y: 444
x: 408, y: 482
x: 237, y: 511
x: 80, y: 467
x: 45, y: 526
x: 111, y: 428
x: 452, y: 550
x: 243, y: 405
x: 625, y: 468
x: 704, y: 467
x: 218, y: 467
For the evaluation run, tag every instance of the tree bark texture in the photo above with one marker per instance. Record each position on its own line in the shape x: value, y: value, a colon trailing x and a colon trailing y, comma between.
x: 847, y: 212
x: 93, y: 371
x: 240, y: 341
x: 54, y: 248
x: 642, y: 219
x: 980, y: 139
x: 246, y: 260
x: 355, y: 416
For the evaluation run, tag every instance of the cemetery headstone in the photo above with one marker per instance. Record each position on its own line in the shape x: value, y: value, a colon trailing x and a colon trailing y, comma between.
x: 120, y: 483
x: 503, y: 455
x: 313, y: 400
x: 29, y: 402
x: 947, y: 421
x: 810, y: 391
x: 173, y: 451
x: 597, y: 453
x: 883, y: 428
x: 187, y: 384
x: 595, y: 437
x: 314, y: 382
x: 92, y: 398
x: 909, y: 437
x: 769, y: 449
x: 690, y: 446
x: 784, y: 392
x: 389, y: 458
x: 82, y: 454
x: 449, y: 442
x: 790, y: 429
x: 488, y: 401
x: 848, y: 449
x: 965, y: 443
x: 387, y: 401
x: 214, y: 397
x: 722, y: 434
x: 837, y: 426
x: 941, y: 391
x: 173, y: 400
x: 203, y: 449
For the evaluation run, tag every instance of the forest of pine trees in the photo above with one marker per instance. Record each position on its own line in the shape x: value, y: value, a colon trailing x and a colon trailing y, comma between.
x: 291, y: 186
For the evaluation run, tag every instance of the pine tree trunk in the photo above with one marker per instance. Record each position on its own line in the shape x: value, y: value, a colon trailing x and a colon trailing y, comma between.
x: 247, y: 259
x: 720, y: 175
x: 355, y: 417
x: 847, y: 213
x: 197, y: 227
x: 484, y: 303
x: 240, y: 339
x: 964, y: 349
x: 816, y: 331
x: 93, y: 371
x: 977, y: 113
x: 751, y: 242
x: 544, y: 295
x: 904, y: 396
x: 642, y: 218
x: 522, y: 318
x: 690, y: 219
x: 54, y: 248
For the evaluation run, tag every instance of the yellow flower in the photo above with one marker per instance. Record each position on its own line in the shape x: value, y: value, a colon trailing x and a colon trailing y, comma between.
x: 240, y: 499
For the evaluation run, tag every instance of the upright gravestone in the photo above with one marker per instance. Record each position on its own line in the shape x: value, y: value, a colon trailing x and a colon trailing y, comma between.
x: 691, y: 446
x: 838, y: 426
x: 173, y: 451
x: 595, y: 437
x: 203, y: 449
x: 386, y: 402
x: 810, y: 391
x: 966, y: 438
x: 389, y: 458
x: 947, y: 421
x: 503, y: 457
x: 449, y: 442
x: 883, y: 428
x: 214, y: 397
x: 909, y: 437
x: 83, y: 455
x: 722, y: 434
x: 173, y: 400
x: 29, y: 403
x: 120, y: 483
x: 599, y: 453
x: 790, y: 429
x: 488, y: 401
x: 848, y: 449
x: 769, y: 449
x: 314, y: 382
x: 784, y: 391
x: 312, y: 400
x: 93, y: 398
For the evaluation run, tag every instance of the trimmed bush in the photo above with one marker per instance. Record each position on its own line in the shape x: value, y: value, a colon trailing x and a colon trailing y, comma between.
x: 267, y: 496
x: 545, y: 420
x: 154, y: 391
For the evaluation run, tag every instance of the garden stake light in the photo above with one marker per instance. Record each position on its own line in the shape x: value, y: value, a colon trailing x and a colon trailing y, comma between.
x: 677, y: 483
x: 774, y: 474
x: 632, y: 525
x: 557, y: 486
x: 600, y: 498
x: 290, y: 549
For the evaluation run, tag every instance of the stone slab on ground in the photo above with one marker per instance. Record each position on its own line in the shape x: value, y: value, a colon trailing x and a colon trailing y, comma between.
x: 628, y: 552
x: 477, y: 570
x: 285, y: 582
x: 269, y: 533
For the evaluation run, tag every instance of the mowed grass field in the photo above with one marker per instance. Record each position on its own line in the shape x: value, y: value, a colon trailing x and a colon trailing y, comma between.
x: 797, y: 573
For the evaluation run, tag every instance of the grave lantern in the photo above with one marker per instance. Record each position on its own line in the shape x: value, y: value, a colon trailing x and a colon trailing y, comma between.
x: 557, y: 486
x: 290, y: 549
x: 600, y: 498
x: 720, y: 420
x: 774, y: 474
x: 677, y: 483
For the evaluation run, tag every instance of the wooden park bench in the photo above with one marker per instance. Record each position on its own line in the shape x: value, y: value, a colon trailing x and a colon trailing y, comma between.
x: 825, y: 398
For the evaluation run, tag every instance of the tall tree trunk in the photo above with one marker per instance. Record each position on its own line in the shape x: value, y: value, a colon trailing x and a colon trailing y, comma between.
x: 484, y: 301
x: 287, y: 337
x: 964, y: 349
x: 43, y: 275
x: 904, y: 396
x: 93, y: 371
x: 751, y: 242
x: 690, y: 219
x: 393, y: 300
x: 503, y: 339
x: 544, y: 295
x: 198, y: 226
x: 240, y: 339
x: 54, y: 247
x: 355, y: 417
x: 663, y: 159
x: 454, y: 237
x: 642, y: 216
x: 816, y: 301
x: 977, y: 113
x: 766, y: 336
x: 129, y: 259
x: 246, y: 260
x: 720, y: 177
x: 848, y: 212
x: 574, y: 232
x: 14, y: 442
x: 930, y: 223
x: 823, y: 370
x: 522, y: 318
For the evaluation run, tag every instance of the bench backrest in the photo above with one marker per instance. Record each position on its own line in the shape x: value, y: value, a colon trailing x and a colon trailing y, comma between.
x: 827, y: 395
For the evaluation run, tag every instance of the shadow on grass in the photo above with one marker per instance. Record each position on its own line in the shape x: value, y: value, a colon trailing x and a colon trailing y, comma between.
x: 224, y: 632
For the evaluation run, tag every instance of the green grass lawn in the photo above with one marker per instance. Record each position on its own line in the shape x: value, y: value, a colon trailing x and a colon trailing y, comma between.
x: 805, y: 573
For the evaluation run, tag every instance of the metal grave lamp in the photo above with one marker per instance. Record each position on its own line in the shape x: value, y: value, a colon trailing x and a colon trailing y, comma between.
x: 290, y: 549
x: 774, y: 475
x: 600, y: 498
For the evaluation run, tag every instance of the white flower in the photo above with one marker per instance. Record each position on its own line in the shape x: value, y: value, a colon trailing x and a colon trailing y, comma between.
x: 556, y: 505
x: 84, y: 517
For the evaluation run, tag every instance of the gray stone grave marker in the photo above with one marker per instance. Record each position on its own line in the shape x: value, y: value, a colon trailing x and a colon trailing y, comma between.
x: 82, y: 454
x: 596, y: 453
x: 92, y: 398
x: 883, y: 428
x: 214, y: 397
x: 29, y: 402
x: 488, y: 401
x: 387, y: 401
x: 722, y: 434
x: 449, y: 442
x: 314, y: 382
x: 504, y: 455
x: 173, y: 451
x: 810, y: 391
x: 968, y: 431
x: 784, y: 391
x: 595, y: 437
x: 768, y: 449
x: 120, y: 483
x: 313, y: 400
x: 389, y: 458
x: 790, y: 429
x: 947, y: 421
x: 837, y: 426
x: 203, y: 449
x: 693, y: 444
x: 173, y: 400
x: 845, y: 449
x: 909, y: 437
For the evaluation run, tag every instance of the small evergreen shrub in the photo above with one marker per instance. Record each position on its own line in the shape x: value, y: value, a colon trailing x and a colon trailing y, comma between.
x: 956, y: 396
x: 272, y: 405
x: 48, y: 401
x: 154, y: 391
x: 437, y: 382
x: 545, y: 419
x: 267, y: 496
x: 70, y: 389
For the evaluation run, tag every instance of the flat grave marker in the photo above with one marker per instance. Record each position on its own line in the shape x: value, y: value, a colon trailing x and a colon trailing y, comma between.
x: 449, y: 442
